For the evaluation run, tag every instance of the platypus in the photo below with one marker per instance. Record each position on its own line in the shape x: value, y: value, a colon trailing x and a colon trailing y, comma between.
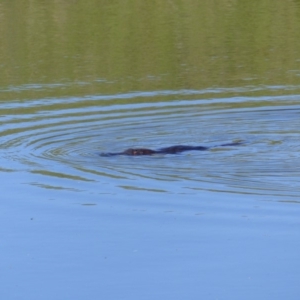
x: 167, y: 150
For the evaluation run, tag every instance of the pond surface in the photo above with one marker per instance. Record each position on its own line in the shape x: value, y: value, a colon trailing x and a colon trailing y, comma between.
x: 215, y: 224
x: 61, y: 148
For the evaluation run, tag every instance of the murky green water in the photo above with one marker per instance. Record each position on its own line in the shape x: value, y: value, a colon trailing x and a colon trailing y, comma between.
x: 79, y: 78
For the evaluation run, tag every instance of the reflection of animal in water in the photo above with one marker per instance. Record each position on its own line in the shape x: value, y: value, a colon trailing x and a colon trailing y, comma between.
x: 167, y: 150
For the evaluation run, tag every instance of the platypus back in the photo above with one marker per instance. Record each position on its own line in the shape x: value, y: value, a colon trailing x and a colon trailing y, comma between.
x: 166, y: 150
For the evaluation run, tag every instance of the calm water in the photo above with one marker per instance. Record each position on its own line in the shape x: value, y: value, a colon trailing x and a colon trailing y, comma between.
x: 79, y: 79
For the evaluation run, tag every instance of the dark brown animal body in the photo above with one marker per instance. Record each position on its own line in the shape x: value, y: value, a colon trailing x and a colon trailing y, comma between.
x: 167, y: 150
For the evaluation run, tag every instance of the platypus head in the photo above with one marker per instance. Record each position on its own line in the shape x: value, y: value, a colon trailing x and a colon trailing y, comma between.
x: 138, y: 151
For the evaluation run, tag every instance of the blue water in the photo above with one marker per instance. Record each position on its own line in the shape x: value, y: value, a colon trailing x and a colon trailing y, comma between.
x: 218, y: 224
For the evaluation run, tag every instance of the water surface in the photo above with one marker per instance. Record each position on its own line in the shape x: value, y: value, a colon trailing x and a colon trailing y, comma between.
x: 79, y: 79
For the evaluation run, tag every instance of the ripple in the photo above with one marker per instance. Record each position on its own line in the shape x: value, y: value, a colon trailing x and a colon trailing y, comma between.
x: 62, y: 138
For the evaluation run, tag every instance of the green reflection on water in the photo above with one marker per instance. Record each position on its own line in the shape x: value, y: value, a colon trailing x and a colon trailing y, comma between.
x: 119, y: 46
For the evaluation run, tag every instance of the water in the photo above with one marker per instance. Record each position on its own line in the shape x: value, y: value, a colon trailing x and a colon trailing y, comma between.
x: 160, y: 220
x: 215, y: 224
x: 67, y: 143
